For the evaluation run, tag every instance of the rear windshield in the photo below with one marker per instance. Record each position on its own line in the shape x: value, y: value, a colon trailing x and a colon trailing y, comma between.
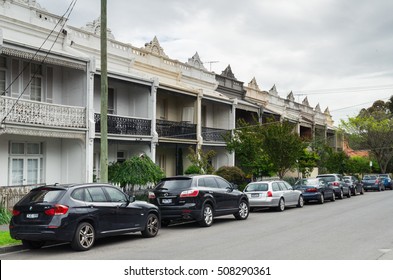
x: 310, y: 182
x: 368, y: 177
x: 328, y: 178
x: 175, y: 184
x: 255, y: 187
x: 44, y: 195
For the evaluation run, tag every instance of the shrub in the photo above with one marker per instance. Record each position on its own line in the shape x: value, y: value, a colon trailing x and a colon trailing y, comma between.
x: 232, y: 174
x: 5, y: 216
x: 193, y: 169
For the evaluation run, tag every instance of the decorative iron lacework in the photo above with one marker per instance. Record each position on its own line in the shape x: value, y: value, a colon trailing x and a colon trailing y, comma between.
x: 38, y: 113
x: 123, y: 125
x: 40, y: 58
x: 171, y: 129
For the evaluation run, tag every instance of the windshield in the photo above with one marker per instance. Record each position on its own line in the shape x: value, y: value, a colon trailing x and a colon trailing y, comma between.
x: 175, y: 184
x: 255, y: 187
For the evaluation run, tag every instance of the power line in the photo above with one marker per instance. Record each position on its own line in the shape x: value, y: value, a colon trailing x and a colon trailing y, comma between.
x: 69, y: 11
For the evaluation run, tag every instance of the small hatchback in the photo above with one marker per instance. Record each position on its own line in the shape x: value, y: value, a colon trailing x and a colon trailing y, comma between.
x: 199, y: 198
x: 276, y: 194
x: 79, y: 214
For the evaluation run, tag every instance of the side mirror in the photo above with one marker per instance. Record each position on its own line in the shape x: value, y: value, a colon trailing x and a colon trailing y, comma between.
x: 131, y: 198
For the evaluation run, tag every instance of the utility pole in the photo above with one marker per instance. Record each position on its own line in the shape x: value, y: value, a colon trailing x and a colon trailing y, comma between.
x: 104, y: 96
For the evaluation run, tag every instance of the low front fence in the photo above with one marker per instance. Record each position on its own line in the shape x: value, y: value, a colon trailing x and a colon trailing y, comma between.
x: 10, y: 195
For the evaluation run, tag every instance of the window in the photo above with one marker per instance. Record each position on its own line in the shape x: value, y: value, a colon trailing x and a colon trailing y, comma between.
x: 116, y: 195
x: 111, y: 101
x: 275, y: 187
x: 163, y: 109
x: 210, y: 182
x: 36, y: 82
x: 222, y: 184
x: 82, y: 194
x: 283, y: 187
x: 26, y: 163
x: 3, y: 67
x: 97, y: 194
x: 121, y: 156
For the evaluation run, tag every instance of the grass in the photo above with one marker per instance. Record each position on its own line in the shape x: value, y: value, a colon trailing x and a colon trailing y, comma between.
x: 5, y: 239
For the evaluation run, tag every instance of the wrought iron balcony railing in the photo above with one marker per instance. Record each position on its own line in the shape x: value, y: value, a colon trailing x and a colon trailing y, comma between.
x: 40, y: 113
x: 124, y: 125
x: 214, y: 134
x: 180, y: 130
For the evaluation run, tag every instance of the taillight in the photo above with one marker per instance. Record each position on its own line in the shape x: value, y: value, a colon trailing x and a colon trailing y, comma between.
x: 15, y: 212
x: 376, y: 181
x: 312, y: 190
x: 190, y: 193
x: 58, y: 209
x: 336, y: 184
x: 269, y: 194
x: 152, y: 195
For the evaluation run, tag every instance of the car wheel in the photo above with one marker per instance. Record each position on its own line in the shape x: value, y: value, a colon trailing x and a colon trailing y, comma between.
x: 84, y: 237
x: 207, y: 216
x: 354, y: 193
x: 349, y: 193
x: 152, y: 226
x: 362, y: 191
x: 300, y: 202
x: 32, y: 244
x: 321, y: 199
x: 341, y: 195
x: 281, y: 205
x: 333, y: 197
x: 243, y: 212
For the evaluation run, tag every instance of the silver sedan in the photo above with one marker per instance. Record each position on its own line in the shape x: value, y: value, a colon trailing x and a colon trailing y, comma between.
x: 276, y: 194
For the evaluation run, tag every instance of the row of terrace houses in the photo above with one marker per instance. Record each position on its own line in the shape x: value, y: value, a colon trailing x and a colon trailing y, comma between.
x: 158, y: 106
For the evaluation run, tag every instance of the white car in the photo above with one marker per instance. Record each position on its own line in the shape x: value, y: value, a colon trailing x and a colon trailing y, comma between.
x: 276, y: 194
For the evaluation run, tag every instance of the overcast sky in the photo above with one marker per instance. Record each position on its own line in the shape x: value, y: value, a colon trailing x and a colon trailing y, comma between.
x: 338, y: 53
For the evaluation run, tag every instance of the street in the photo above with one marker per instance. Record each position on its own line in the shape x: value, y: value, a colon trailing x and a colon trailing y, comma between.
x: 358, y: 228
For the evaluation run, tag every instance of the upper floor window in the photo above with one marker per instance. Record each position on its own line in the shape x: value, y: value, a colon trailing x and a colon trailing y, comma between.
x: 36, y: 82
x: 3, y: 68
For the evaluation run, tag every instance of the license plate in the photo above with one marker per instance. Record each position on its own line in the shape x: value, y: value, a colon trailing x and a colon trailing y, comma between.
x: 32, y: 216
x: 166, y: 200
x: 255, y: 195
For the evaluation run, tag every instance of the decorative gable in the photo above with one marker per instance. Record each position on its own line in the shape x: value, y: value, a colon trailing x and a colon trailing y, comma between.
x: 155, y: 48
x: 273, y: 90
x: 228, y: 73
x: 318, y: 108
x: 291, y: 96
x: 196, y: 62
x: 305, y: 101
x: 253, y: 84
x: 95, y: 28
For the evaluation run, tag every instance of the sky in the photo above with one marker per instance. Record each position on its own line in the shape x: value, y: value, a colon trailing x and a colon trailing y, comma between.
x: 337, y: 53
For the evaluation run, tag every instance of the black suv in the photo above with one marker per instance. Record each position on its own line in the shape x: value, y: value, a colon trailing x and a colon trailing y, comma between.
x: 198, y: 197
x: 340, y: 188
x: 80, y: 213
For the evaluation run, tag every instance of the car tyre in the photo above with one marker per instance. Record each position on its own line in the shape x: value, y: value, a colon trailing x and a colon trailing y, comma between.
x: 243, y: 212
x: 300, y: 202
x: 152, y: 226
x: 281, y: 205
x: 321, y: 199
x: 349, y: 193
x: 341, y: 196
x: 84, y: 237
x: 362, y: 191
x: 207, y: 216
x: 333, y: 197
x: 28, y: 244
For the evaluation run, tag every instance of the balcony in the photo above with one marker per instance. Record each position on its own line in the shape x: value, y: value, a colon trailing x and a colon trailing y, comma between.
x: 214, y: 134
x: 180, y: 130
x: 124, y: 125
x: 40, y: 113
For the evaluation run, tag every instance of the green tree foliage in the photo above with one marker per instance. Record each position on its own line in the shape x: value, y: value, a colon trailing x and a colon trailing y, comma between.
x: 271, y: 148
x: 372, y: 129
x: 232, y: 174
x: 193, y: 169
x: 137, y: 170
x: 246, y: 142
x: 307, y: 161
x: 201, y: 161
x: 282, y: 146
x: 358, y: 165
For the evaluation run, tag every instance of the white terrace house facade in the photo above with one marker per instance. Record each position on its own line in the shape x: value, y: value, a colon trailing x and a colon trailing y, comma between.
x: 157, y: 106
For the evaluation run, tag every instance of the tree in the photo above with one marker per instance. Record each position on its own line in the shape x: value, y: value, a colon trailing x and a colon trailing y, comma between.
x: 372, y: 129
x: 201, y: 161
x: 137, y: 170
x: 307, y: 162
x: 282, y: 146
x: 246, y: 143
x: 358, y: 164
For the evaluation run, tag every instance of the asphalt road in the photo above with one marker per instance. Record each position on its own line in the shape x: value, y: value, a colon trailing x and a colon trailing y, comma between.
x: 358, y: 228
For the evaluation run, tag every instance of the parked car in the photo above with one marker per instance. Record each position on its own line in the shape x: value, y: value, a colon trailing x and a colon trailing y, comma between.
x: 276, y: 194
x: 354, y: 184
x: 80, y: 214
x: 372, y: 182
x: 386, y: 180
x: 199, y: 198
x: 315, y: 189
x: 337, y: 182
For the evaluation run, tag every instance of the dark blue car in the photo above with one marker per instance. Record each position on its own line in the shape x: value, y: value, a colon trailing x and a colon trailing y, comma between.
x: 315, y: 189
